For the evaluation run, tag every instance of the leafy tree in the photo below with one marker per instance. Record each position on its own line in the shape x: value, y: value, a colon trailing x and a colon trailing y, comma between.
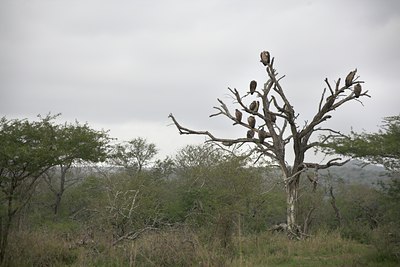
x: 27, y: 150
x: 75, y: 144
x: 164, y: 168
x: 272, y: 125
x: 134, y: 155
x: 382, y: 147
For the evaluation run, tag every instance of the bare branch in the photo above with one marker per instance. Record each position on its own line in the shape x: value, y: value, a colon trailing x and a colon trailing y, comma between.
x: 225, y: 141
x: 330, y: 163
x: 322, y: 99
x: 133, y: 235
x: 329, y: 86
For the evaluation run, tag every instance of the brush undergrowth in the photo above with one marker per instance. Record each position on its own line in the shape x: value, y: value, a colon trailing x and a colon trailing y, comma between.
x: 182, y: 247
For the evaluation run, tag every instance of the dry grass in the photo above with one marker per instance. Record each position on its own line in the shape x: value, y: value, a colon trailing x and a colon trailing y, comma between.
x: 38, y: 249
x: 182, y: 247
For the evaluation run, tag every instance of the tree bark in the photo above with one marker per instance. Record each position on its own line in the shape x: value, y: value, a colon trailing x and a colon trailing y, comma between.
x: 6, y: 230
x: 59, y: 194
x: 335, y: 208
x: 4, y: 238
x: 292, y: 190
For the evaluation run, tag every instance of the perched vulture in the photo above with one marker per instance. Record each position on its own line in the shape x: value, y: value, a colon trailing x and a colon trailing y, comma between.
x: 262, y: 135
x: 250, y: 134
x: 330, y: 100
x: 238, y: 115
x: 357, y: 90
x: 265, y: 58
x: 252, y: 121
x: 253, y: 85
x: 254, y: 106
x: 350, y: 77
x: 273, y: 118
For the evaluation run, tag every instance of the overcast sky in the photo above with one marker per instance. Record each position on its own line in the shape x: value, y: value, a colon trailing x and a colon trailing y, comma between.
x: 125, y: 65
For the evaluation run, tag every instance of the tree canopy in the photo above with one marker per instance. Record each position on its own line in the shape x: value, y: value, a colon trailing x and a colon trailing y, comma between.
x: 30, y: 148
x: 382, y: 147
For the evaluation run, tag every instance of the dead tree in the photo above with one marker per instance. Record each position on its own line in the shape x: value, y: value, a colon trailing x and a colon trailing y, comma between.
x: 277, y: 127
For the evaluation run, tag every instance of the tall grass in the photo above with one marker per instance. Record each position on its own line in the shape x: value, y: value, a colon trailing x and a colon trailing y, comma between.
x: 183, y: 247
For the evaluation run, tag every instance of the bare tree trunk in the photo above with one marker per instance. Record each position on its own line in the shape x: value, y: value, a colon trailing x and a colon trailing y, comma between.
x: 57, y: 204
x: 59, y: 194
x: 292, y: 190
x: 4, y: 238
x: 6, y: 229
x: 335, y: 208
x: 307, y: 220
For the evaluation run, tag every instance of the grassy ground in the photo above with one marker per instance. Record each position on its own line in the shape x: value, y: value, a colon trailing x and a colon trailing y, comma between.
x: 184, y: 248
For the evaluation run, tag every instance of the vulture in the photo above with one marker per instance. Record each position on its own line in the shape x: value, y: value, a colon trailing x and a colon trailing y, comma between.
x: 262, y: 134
x: 350, y: 77
x: 273, y: 118
x: 250, y: 134
x: 238, y: 115
x: 330, y: 100
x: 265, y: 58
x: 254, y: 106
x: 253, y: 85
x: 357, y: 90
x: 252, y: 121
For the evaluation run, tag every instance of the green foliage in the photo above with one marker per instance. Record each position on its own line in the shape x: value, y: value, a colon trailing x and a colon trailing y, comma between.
x: 83, y: 200
x: 77, y: 143
x: 26, y: 152
x: 133, y: 155
x: 386, y: 239
x: 203, y: 207
x: 219, y: 192
x: 382, y: 147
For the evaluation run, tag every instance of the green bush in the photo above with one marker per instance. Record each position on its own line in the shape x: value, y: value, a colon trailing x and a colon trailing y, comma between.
x: 386, y: 239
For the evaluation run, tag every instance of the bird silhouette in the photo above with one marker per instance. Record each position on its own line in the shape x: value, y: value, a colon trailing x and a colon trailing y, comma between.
x: 252, y: 121
x: 254, y: 106
x: 357, y: 90
x: 250, y: 134
x: 273, y: 117
x: 238, y: 115
x: 253, y: 86
x: 265, y: 58
x: 350, y: 77
x: 262, y: 134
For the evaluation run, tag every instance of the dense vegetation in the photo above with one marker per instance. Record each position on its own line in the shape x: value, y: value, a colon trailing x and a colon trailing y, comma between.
x: 204, y: 206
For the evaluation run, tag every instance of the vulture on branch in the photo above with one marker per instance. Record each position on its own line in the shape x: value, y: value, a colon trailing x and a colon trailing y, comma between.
x: 238, y: 115
x: 350, y: 77
x: 250, y: 134
x: 357, y: 90
x: 253, y: 85
x: 254, y: 106
x: 273, y: 118
x: 252, y: 121
x: 262, y: 135
x: 330, y: 100
x: 265, y: 58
